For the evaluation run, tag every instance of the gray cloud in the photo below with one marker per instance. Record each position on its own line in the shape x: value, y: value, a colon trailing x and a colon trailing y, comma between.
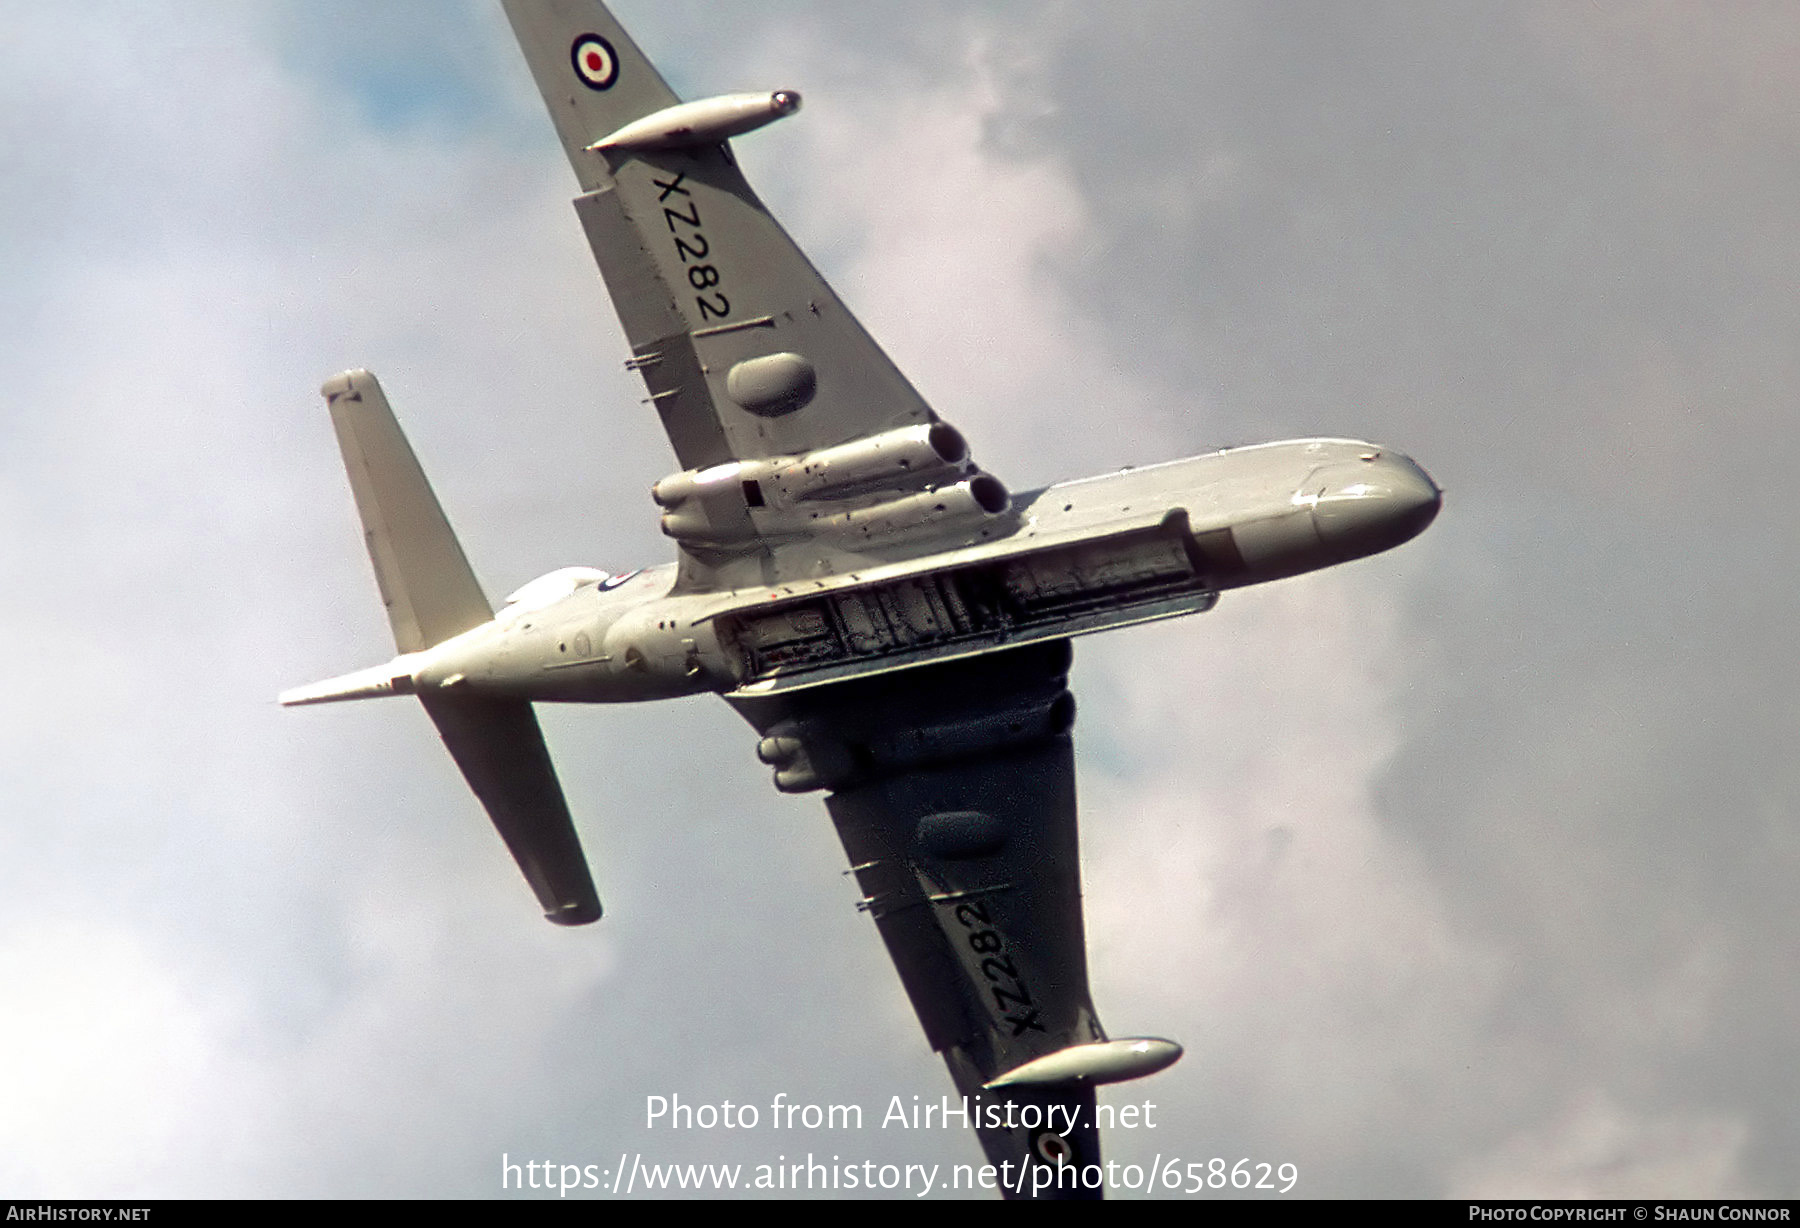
x: 1464, y: 871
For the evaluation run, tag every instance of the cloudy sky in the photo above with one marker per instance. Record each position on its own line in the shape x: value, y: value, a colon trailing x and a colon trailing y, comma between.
x: 1466, y: 870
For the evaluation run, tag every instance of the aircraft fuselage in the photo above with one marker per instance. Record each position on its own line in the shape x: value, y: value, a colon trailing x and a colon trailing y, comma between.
x: 891, y: 619
x: 1081, y: 556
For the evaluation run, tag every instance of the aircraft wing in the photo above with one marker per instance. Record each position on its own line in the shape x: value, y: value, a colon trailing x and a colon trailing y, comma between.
x: 703, y: 278
x: 803, y: 450
x: 953, y: 791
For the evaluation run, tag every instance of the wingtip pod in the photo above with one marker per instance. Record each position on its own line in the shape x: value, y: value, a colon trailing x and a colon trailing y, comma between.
x: 1108, y: 1061
x: 705, y: 122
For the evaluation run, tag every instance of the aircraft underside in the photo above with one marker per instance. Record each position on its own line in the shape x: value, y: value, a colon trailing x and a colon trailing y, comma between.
x: 891, y: 620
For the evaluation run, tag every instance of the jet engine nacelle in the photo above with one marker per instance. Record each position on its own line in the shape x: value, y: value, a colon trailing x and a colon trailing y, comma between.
x: 889, y: 461
x: 805, y: 759
x: 923, y: 471
x: 980, y: 497
x: 893, y: 460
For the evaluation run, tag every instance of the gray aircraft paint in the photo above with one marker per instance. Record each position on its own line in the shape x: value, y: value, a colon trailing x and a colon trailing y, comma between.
x: 1467, y: 863
x: 888, y: 617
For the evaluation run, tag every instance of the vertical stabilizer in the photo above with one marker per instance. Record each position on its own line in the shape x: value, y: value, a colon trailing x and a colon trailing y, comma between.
x: 426, y: 583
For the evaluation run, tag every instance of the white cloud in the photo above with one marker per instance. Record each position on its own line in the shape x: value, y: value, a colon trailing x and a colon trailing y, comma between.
x: 961, y: 252
x: 112, y: 1062
x: 1593, y: 1148
x: 1246, y: 893
x: 296, y: 962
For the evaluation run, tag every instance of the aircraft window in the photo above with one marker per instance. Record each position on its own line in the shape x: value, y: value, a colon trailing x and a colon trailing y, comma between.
x: 753, y: 492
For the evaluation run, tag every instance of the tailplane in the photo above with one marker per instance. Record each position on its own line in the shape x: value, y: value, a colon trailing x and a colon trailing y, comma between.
x: 432, y: 595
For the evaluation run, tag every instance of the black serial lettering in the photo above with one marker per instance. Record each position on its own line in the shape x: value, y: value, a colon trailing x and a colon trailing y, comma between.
x: 691, y: 246
x: 997, y: 967
x: 994, y: 969
x: 1002, y: 997
x: 965, y: 911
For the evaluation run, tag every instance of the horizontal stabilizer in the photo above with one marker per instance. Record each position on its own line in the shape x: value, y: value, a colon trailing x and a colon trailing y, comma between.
x: 500, y: 749
x: 1109, y: 1061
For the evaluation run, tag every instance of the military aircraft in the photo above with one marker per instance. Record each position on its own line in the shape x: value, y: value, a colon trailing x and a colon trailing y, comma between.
x: 892, y: 620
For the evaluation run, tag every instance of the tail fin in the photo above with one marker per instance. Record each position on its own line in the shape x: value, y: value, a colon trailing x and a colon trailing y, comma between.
x: 431, y: 595
x: 426, y: 583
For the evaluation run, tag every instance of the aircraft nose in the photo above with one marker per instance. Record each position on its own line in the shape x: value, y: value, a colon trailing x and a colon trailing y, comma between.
x: 1372, y: 504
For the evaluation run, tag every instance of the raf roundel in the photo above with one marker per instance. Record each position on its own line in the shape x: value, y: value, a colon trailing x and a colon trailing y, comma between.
x: 596, y: 63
